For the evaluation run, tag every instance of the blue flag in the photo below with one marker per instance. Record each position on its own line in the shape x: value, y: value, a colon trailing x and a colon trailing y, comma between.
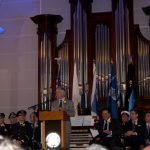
x: 113, y: 94
x: 131, y: 101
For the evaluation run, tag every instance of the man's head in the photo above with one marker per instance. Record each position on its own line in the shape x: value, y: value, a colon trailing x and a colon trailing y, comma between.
x: 125, y: 116
x: 96, y: 147
x: 60, y: 92
x: 2, y: 116
x: 147, y: 148
x: 147, y: 117
x: 106, y: 114
x: 21, y: 114
x: 12, y: 117
x: 6, y: 144
x: 133, y: 114
x: 33, y: 117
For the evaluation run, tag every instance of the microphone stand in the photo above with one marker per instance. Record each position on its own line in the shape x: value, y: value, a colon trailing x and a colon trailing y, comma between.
x: 34, y: 107
x: 33, y: 135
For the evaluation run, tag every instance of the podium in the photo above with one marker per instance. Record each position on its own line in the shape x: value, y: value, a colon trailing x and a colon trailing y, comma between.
x: 53, y: 121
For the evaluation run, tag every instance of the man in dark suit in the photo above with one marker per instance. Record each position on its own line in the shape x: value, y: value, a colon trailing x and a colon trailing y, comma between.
x: 36, y: 131
x: 146, y: 129
x: 4, y: 128
x: 133, y: 134
x: 109, y: 131
x: 22, y: 132
x: 12, y: 118
x: 63, y: 104
x: 125, y: 116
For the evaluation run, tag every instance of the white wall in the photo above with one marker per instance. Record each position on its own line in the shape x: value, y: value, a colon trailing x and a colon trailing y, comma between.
x: 18, y: 49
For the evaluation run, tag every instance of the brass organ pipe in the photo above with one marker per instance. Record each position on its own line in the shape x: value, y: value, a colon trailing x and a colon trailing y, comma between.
x: 80, y: 46
x: 63, y: 65
x: 116, y: 22
x: 85, y: 45
x: 140, y: 79
x: 122, y: 42
x: 107, y: 59
x: 41, y: 66
x: 139, y: 66
x: 143, y: 68
x: 118, y: 42
x: 49, y: 66
x: 146, y: 67
x: 44, y: 62
x: 96, y: 57
x: 105, y: 56
x: 100, y: 57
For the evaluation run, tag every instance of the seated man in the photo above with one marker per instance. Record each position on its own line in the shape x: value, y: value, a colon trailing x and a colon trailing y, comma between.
x: 6, y: 144
x: 125, y: 115
x: 146, y: 129
x: 4, y: 128
x: 133, y: 134
x: 36, y: 131
x: 109, y: 131
x: 22, y: 132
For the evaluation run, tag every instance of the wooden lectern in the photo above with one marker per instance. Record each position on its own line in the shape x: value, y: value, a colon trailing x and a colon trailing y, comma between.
x: 53, y: 121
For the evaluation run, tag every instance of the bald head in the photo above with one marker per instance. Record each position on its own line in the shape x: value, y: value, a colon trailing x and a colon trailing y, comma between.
x: 147, y: 148
x: 95, y: 147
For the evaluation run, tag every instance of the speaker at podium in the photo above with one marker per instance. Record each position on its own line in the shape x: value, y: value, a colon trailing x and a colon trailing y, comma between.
x: 53, y: 121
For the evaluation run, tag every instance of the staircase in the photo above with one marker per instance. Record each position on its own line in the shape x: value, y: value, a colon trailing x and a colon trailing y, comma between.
x: 80, y: 137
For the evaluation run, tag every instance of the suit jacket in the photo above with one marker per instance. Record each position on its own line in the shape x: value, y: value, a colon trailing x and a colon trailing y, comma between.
x: 146, y: 133
x: 114, y: 139
x: 137, y: 128
x: 4, y: 130
x: 22, y: 132
x: 67, y: 105
x: 114, y: 126
x: 134, y: 141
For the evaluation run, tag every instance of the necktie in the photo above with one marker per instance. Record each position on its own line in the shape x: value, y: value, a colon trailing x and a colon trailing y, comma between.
x: 148, y: 129
x: 133, y: 126
x: 105, y: 125
x: 60, y: 104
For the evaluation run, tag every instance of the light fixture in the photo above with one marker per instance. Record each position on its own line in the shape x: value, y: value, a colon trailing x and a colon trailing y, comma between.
x: 2, y: 30
x: 53, y: 140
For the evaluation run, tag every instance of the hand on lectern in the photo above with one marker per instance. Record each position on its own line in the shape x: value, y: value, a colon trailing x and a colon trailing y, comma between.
x: 61, y: 109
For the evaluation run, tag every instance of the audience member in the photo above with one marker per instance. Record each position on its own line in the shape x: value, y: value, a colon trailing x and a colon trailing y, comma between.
x: 147, y: 148
x: 6, y: 144
x: 96, y: 147
x: 109, y: 131
x: 4, y: 128
x: 12, y: 118
x: 146, y: 129
x: 133, y: 134
x: 36, y: 131
x: 124, y: 120
x: 22, y: 131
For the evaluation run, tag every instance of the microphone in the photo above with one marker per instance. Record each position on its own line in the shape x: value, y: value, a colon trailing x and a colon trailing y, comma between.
x: 33, y: 107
